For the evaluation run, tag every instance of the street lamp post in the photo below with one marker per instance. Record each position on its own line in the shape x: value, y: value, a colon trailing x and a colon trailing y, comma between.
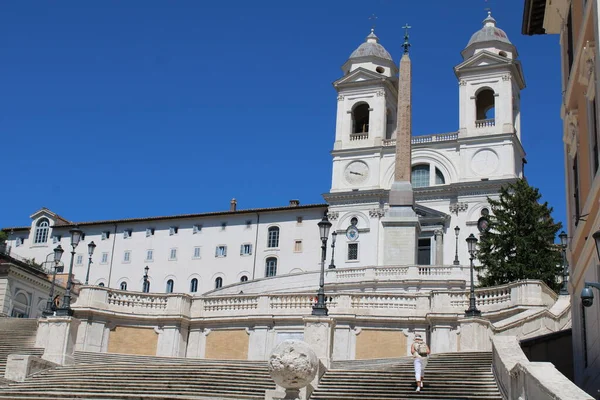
x: 320, y: 308
x: 564, y: 288
x: 472, y: 311
x: 58, y: 252
x: 456, y: 232
x: 91, y: 248
x: 333, y: 237
x: 65, y: 309
x: 145, y: 287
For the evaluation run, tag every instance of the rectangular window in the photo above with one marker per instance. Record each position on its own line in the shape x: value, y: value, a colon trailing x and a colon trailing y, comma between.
x: 149, y: 255
x: 594, y: 133
x: 221, y: 251
x: 352, y: 251
x: 173, y: 230
x: 173, y: 254
x: 56, y: 239
x: 249, y: 224
x: 104, y: 259
x: 223, y: 225
x: 196, y: 252
x: 105, y: 235
x: 127, y: 256
x: 79, y: 259
x: 246, y: 249
x: 273, y: 240
x: 576, y: 190
x: 127, y: 233
x: 298, y: 246
x: 196, y: 229
x: 424, y: 252
x: 149, y: 232
x: 18, y: 241
x: 298, y: 220
x: 570, y: 48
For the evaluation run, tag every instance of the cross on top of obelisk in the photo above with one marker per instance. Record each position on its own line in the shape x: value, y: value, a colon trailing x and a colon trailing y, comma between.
x: 373, y: 18
x: 406, y: 44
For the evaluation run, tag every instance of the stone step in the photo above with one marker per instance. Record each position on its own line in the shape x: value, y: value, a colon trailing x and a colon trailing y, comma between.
x: 108, y: 392
x: 123, y: 396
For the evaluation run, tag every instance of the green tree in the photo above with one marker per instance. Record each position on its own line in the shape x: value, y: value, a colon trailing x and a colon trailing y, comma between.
x: 519, y: 242
x: 3, y: 237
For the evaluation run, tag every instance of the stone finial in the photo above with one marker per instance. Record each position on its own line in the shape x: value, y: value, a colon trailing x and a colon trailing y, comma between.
x: 293, y: 364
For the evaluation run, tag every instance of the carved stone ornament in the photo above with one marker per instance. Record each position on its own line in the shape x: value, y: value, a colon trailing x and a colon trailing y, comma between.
x: 571, y: 135
x: 376, y: 213
x: 340, y: 97
x: 459, y: 206
x: 293, y: 364
x: 587, y: 64
x: 380, y: 93
x: 462, y: 82
x: 506, y: 77
x: 332, y: 216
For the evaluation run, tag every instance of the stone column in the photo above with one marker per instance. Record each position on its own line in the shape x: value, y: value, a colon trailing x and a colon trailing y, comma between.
x: 257, y: 343
x: 90, y: 336
x: 439, y: 247
x: 59, y: 337
x: 171, y: 342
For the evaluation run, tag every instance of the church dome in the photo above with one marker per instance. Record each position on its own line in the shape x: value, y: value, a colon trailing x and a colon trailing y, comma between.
x: 371, y: 48
x: 489, y: 33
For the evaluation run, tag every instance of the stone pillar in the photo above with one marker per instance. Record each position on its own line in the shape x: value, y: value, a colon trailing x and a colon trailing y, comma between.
x: 257, y: 343
x: 171, y: 342
x: 439, y: 247
x: 91, y: 337
x: 193, y: 345
x: 318, y: 333
x: 475, y: 334
x: 59, y: 337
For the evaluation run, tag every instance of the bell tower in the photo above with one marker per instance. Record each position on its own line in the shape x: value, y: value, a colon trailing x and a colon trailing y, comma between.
x: 366, y: 115
x: 490, y: 83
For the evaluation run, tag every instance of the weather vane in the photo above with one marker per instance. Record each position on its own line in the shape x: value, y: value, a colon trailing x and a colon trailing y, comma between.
x: 406, y: 45
x: 373, y: 18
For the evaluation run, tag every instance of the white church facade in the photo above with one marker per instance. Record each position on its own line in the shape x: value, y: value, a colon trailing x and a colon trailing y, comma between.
x: 452, y: 176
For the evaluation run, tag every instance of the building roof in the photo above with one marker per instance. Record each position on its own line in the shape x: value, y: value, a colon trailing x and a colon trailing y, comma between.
x: 533, y: 17
x: 371, y: 48
x: 180, y: 216
x: 489, y: 33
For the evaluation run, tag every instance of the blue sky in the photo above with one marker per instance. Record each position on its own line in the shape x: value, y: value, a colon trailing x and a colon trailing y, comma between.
x: 117, y: 109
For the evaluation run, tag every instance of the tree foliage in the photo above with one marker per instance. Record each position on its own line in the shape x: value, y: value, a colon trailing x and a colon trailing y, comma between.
x: 3, y: 237
x: 519, y: 242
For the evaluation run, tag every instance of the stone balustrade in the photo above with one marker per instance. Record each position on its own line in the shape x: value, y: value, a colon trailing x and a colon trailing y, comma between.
x: 359, y: 136
x: 525, y: 293
x: 438, y: 137
x: 484, y: 123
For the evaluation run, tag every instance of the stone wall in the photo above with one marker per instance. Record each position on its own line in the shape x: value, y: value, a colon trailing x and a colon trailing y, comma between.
x: 376, y: 343
x: 227, y: 345
x: 133, y: 340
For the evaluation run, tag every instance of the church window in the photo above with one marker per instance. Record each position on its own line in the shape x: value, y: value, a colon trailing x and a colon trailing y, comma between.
x: 502, y: 53
x: 41, y: 231
x: 271, y: 267
x: 360, y: 118
x: 194, y: 285
x: 381, y: 70
x: 123, y: 285
x: 244, y: 278
x: 273, y: 240
x: 439, y: 177
x: 170, y: 285
x: 424, y: 252
x: 352, y: 251
x: 354, y: 221
x: 218, y: 283
x: 484, y: 102
x: 420, y: 176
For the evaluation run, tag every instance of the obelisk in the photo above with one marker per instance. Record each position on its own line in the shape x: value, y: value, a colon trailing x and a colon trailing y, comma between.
x: 401, y: 224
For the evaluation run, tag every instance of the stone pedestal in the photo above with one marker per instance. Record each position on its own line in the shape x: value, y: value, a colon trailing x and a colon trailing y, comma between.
x: 401, y: 228
x: 318, y: 333
x: 171, y: 341
x: 475, y: 334
x: 58, y: 336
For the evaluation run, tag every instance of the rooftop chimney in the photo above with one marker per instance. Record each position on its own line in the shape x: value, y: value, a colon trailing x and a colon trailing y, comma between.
x: 233, y: 205
x: 294, y: 203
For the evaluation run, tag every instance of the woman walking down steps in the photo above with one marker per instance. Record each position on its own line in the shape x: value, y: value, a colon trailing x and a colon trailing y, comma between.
x: 420, y: 351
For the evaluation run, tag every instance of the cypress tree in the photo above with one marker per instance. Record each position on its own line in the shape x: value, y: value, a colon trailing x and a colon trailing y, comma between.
x: 519, y: 241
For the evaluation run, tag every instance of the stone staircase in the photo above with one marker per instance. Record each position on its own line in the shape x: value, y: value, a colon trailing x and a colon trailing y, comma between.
x: 453, y: 376
x: 120, y: 376
x: 17, y: 336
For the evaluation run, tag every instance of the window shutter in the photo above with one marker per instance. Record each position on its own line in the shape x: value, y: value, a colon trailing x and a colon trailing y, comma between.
x: 224, y: 251
x: 217, y: 251
x: 241, y: 250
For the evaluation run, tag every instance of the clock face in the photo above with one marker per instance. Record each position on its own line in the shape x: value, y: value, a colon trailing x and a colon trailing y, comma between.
x: 356, y: 172
x: 352, y: 233
x: 484, y: 162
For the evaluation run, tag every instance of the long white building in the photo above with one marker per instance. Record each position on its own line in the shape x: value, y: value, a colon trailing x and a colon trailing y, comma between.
x: 453, y: 173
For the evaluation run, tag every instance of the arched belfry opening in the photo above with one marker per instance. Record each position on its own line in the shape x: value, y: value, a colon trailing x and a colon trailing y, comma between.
x: 360, y: 118
x: 484, y: 102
